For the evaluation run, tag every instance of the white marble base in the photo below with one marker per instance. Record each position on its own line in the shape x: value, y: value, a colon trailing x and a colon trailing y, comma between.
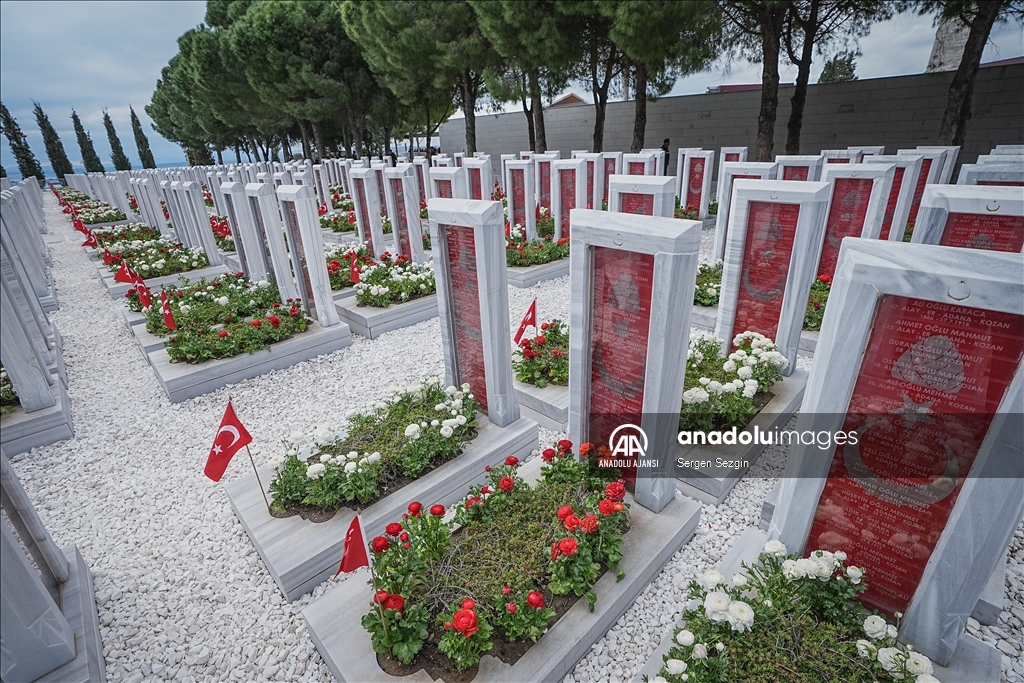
x: 21, y: 432
x: 548, y: 406
x: 371, y: 322
x: 528, y: 276
x: 119, y: 289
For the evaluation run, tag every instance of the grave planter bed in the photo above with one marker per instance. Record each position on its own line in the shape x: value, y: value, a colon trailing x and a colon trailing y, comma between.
x: 93, y: 226
x: 371, y: 322
x: 549, y: 405
x: 334, y: 620
x: 119, y: 289
x: 182, y: 381
x: 528, y: 276
x: 301, y: 554
x: 21, y: 431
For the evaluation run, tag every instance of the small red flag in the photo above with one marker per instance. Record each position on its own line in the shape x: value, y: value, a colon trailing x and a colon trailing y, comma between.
x: 143, y: 291
x: 126, y: 274
x: 79, y: 225
x: 354, y: 554
x: 353, y: 272
x: 508, y: 228
x: 107, y: 258
x: 322, y: 209
x: 90, y: 240
x: 230, y: 438
x: 529, y: 319
x: 165, y: 308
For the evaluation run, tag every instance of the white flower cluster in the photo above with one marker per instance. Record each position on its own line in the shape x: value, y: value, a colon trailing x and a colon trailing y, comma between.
x: 678, y: 667
x: 452, y: 405
x: 344, y: 252
x: 517, y: 231
x: 718, y: 606
x: 304, y: 447
x: 893, y: 659
x: 762, y: 349
x: 821, y: 565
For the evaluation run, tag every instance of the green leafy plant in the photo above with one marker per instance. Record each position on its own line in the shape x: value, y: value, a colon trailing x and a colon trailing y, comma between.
x: 816, y: 302
x: 713, y: 206
x: 708, y: 289
x: 339, y: 262
x: 467, y: 635
x: 8, y: 396
x: 544, y: 358
x: 396, y: 627
x: 525, y: 617
x: 394, y: 279
x: 520, y: 252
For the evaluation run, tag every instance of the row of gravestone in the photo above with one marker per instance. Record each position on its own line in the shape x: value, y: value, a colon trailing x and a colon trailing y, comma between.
x: 30, y: 345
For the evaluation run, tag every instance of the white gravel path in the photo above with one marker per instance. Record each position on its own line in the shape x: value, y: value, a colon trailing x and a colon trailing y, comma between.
x: 182, y: 593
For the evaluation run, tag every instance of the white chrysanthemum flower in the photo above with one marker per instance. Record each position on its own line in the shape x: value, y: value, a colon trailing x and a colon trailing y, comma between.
x: 412, y: 431
x: 807, y: 566
x: 450, y: 390
x: 744, y: 372
x: 729, y: 366
x: 791, y: 570
x: 315, y: 471
x: 446, y: 431
x: 874, y: 627
x: 350, y: 467
x: 325, y: 458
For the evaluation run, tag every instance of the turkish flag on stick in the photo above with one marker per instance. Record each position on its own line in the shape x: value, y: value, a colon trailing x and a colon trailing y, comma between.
x: 529, y: 319
x: 165, y: 308
x: 126, y: 274
x: 79, y: 225
x: 107, y: 258
x: 231, y: 437
x: 354, y: 554
x: 353, y: 272
x: 143, y: 291
x: 90, y: 240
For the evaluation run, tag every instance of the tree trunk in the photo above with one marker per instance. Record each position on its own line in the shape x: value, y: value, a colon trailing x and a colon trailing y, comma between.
x: 307, y: 153
x: 359, y: 134
x: 771, y: 33
x: 541, y: 142
x: 318, y: 134
x: 600, y: 100
x: 429, y: 149
x: 529, y: 123
x: 286, y: 147
x: 640, y: 108
x: 469, y: 109
x: 252, y: 145
x: 803, y: 76
x: 220, y: 158
x: 238, y: 153
x: 958, y: 105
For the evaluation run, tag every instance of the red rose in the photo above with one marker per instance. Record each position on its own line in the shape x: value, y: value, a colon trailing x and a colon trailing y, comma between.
x: 473, y: 501
x: 565, y: 445
x: 257, y: 323
x: 415, y: 508
x: 404, y: 536
x: 277, y: 304
x: 487, y: 490
x: 511, y: 461
x: 505, y: 590
x: 568, y: 546
x: 222, y: 334
x: 606, y: 507
x: 275, y: 322
x: 465, y: 622
x: 535, y: 600
x: 393, y: 529
x: 380, y: 596
x: 437, y: 510
x: 395, y: 602
x: 506, y: 484
x: 589, y: 524
x: 468, y: 603
x: 615, y: 492
x: 380, y: 544
x: 511, y: 607
x: 541, y: 340
x: 564, y: 512
x: 572, y: 522
x: 543, y: 326
x: 548, y: 455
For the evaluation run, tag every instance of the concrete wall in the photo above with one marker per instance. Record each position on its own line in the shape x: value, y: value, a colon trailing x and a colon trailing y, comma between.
x: 899, y: 112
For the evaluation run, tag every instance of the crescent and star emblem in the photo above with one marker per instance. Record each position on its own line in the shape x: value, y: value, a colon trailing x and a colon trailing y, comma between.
x: 230, y: 430
x: 768, y: 234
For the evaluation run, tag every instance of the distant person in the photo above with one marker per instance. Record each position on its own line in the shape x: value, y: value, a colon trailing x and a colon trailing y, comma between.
x: 664, y: 151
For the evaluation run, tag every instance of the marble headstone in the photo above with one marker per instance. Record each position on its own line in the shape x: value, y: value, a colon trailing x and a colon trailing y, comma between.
x: 695, y: 182
x: 306, y: 245
x: 856, y: 206
x: 731, y: 171
x: 904, y: 182
x: 266, y: 218
x: 404, y: 206
x: 972, y: 217
x: 642, y: 195
x: 449, y: 183
x: 800, y: 166
x: 521, y: 196
x: 569, y: 192
x: 366, y: 204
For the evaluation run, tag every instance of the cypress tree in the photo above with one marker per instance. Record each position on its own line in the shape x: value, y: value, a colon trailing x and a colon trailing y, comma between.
x: 54, y: 147
x: 117, y: 154
x: 27, y: 163
x: 142, y: 142
x: 90, y: 159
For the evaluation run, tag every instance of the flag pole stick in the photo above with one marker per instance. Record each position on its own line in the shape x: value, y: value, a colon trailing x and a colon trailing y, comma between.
x: 262, y: 490
x: 373, y: 579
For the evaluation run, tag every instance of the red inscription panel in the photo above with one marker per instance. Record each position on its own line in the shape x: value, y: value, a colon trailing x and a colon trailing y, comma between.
x: 380, y: 191
x: 837, y: 160
x: 931, y: 379
x: 401, y: 221
x: 364, y: 213
x: 567, y: 196
x: 922, y: 180
x: 458, y: 162
x: 695, y: 186
x: 1002, y: 183
x: 465, y: 293
x: 890, y: 204
x: 444, y: 189
x: 771, y: 229
x: 845, y: 218
x: 609, y: 171
x: 544, y: 174
x: 732, y: 156
x: 518, y: 196
x: 621, y: 327
x: 641, y: 204
x: 299, y: 263
x: 419, y: 179
x: 795, y: 173
x: 979, y: 231
x: 636, y: 168
x: 476, y: 190
x: 590, y: 184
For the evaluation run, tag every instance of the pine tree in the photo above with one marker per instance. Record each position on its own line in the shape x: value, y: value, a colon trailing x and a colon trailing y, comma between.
x: 840, y: 68
x: 3, y: 172
x: 90, y: 159
x: 117, y: 154
x: 27, y: 163
x: 142, y: 142
x: 54, y: 147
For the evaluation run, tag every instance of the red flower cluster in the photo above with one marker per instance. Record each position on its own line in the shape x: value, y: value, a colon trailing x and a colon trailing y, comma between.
x: 615, y: 491
x: 826, y: 279
x: 389, y: 600
x: 564, y: 446
x: 333, y: 267
x: 393, y: 529
x: 222, y: 334
x: 564, y: 512
x: 473, y: 501
x: 380, y: 544
x: 416, y: 509
x: 512, y: 461
x: 506, y: 484
x: 548, y: 455
x: 465, y: 620
x: 257, y: 323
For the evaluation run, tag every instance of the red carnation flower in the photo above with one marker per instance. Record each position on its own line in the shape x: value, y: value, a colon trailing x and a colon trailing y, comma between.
x: 535, y: 600
x: 606, y: 507
x: 565, y: 445
x: 511, y: 607
x: 564, y: 512
x: 505, y: 590
x: 394, y: 601
x: 275, y: 322
x: 568, y: 546
x: 393, y: 529
x: 506, y: 484
x: 541, y: 340
x: 548, y: 455
x: 380, y: 544
x: 222, y: 334
x: 437, y: 510
x: 589, y: 524
x: 257, y: 323
x: 511, y: 461
x: 473, y: 501
x: 415, y: 508
x: 404, y: 536
x: 615, y: 491
x: 572, y: 522
x: 465, y: 622
x: 543, y: 326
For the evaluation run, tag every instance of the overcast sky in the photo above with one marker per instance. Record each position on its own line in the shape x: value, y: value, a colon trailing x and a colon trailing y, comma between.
x: 89, y: 56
